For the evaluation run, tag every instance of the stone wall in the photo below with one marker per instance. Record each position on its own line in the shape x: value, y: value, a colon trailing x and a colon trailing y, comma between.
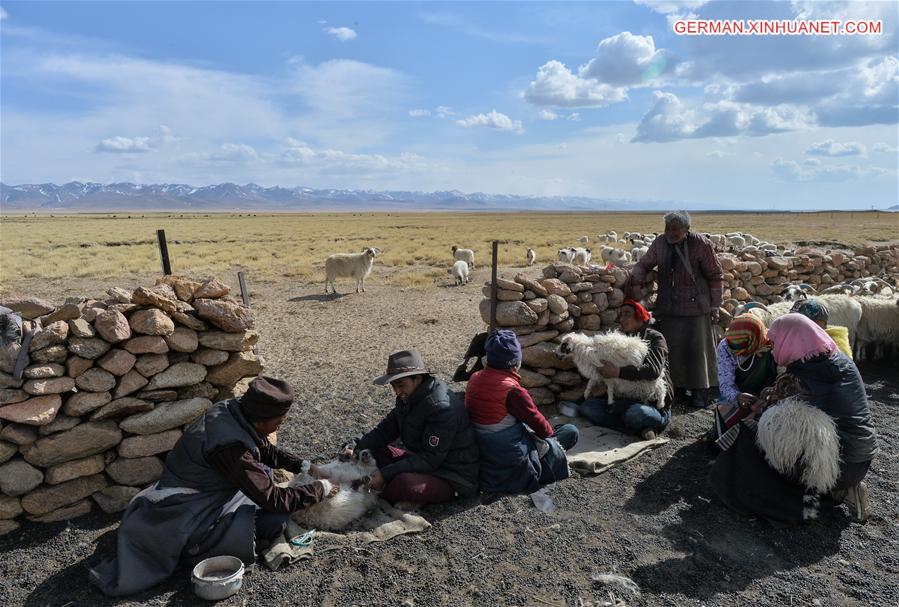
x: 542, y: 309
x: 107, y: 389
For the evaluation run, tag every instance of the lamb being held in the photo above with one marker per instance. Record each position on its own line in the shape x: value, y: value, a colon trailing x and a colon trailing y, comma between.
x: 353, y: 499
x: 592, y: 352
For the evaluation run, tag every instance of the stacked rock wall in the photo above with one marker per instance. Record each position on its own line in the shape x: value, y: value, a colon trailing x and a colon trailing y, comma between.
x: 587, y: 299
x: 107, y: 390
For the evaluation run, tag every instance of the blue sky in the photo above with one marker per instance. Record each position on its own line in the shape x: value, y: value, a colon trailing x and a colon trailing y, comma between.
x: 584, y: 99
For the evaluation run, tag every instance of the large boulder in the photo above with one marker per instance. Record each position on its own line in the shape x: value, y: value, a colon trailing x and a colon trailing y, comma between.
x: 509, y: 313
x: 544, y: 355
x: 240, y: 364
x: 166, y: 416
x: 122, y: 406
x: 118, y: 362
x: 159, y: 296
x: 227, y: 316
x: 114, y: 499
x: 151, y: 322
x: 84, y: 402
x: 147, y: 344
x: 18, y: 477
x: 180, y: 374
x: 49, y: 498
x: 75, y: 365
x: 209, y: 357
x: 88, y: 347
x: 53, y: 354
x: 150, y: 444
x: 212, y: 289
x: 112, y: 326
x: 230, y: 342
x: 96, y: 379
x: 79, y: 508
x: 50, y: 335
x: 82, y: 440
x: 86, y: 466
x: 36, y: 411
x: 151, y: 364
x: 182, y: 339
x: 50, y: 385
x: 10, y: 507
x: 136, y: 472
x: 44, y: 371
x: 129, y: 383
x: 29, y: 308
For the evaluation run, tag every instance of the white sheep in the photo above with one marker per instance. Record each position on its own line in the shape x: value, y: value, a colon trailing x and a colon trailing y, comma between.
x: 459, y: 272
x: 466, y: 255
x: 532, y: 257
x: 638, y: 252
x: 620, y: 257
x: 606, y: 252
x: 350, y: 265
x: 584, y: 239
x: 843, y: 311
x: 581, y: 256
x: 590, y: 352
x: 879, y: 325
x: 736, y: 242
x: 335, y: 513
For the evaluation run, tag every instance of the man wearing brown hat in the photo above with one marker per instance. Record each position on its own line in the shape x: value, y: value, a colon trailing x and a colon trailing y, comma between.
x: 216, y: 495
x: 438, y: 458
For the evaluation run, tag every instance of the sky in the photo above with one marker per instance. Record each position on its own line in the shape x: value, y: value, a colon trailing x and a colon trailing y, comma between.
x: 598, y: 99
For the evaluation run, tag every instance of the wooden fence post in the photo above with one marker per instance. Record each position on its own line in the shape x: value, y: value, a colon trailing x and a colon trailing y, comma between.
x: 244, y: 293
x: 163, y: 252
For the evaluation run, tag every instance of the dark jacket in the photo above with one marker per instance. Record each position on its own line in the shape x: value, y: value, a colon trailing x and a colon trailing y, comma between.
x: 654, y: 365
x: 835, y: 386
x: 679, y: 293
x: 434, y: 426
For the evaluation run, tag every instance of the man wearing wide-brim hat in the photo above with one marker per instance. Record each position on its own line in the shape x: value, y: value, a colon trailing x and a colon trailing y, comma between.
x: 216, y: 495
x: 425, y: 447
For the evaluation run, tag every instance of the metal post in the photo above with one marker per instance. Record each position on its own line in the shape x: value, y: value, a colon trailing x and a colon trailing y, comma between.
x: 244, y: 293
x: 164, y: 252
x: 493, y: 287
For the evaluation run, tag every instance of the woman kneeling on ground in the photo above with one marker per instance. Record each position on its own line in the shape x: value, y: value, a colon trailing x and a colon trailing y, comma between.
x: 438, y: 455
x: 819, y: 374
x: 746, y: 366
x: 632, y: 417
x: 520, y: 450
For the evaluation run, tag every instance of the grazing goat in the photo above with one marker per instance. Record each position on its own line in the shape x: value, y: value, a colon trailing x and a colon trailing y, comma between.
x: 466, y: 255
x: 459, y: 272
x: 532, y: 257
x: 589, y: 353
x: 350, y: 265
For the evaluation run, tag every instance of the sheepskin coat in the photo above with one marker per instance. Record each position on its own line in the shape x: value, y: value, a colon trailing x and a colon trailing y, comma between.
x: 679, y: 294
x: 835, y: 386
x: 434, y: 426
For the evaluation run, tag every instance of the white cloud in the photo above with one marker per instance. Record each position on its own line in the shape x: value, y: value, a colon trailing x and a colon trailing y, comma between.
x: 833, y: 148
x: 574, y: 117
x: 788, y: 170
x: 557, y: 86
x: 493, y: 120
x: 627, y: 60
x: 301, y: 153
x: 885, y: 148
x: 669, y: 7
x: 344, y: 34
x: 234, y: 152
x: 3, y: 14
x: 443, y: 111
x: 132, y: 145
x: 419, y: 113
x: 548, y: 115
x: 124, y: 145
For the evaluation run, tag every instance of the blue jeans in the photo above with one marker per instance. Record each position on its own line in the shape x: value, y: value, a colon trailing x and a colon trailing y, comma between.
x: 567, y: 435
x: 623, y: 415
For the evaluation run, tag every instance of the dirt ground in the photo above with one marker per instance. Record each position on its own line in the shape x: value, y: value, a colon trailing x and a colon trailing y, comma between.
x: 653, y: 519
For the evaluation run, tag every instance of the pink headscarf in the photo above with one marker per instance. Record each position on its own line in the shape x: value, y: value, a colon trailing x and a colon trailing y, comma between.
x: 795, y: 338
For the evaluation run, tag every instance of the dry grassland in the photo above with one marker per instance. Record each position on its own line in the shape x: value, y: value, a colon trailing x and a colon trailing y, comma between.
x: 416, y: 246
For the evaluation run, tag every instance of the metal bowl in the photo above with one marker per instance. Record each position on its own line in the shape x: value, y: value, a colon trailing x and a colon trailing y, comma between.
x: 217, y: 578
x: 568, y: 408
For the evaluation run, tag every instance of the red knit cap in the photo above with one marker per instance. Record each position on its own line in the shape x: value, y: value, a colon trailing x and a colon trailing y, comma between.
x: 639, y: 311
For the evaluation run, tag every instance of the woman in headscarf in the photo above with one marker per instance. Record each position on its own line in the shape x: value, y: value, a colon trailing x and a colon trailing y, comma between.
x: 745, y: 367
x: 819, y: 374
x: 816, y: 310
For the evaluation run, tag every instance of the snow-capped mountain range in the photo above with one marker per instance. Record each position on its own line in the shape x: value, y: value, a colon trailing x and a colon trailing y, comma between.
x: 77, y: 196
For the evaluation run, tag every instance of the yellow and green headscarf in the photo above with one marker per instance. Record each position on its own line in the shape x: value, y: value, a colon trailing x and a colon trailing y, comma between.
x: 746, y: 335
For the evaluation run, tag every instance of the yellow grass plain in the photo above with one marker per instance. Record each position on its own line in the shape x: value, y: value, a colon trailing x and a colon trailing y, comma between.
x: 416, y: 246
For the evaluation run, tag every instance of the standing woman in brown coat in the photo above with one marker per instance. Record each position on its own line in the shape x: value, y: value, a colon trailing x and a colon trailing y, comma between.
x: 689, y: 279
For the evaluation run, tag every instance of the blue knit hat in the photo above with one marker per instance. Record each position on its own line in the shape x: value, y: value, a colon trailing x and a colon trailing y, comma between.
x: 503, y: 350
